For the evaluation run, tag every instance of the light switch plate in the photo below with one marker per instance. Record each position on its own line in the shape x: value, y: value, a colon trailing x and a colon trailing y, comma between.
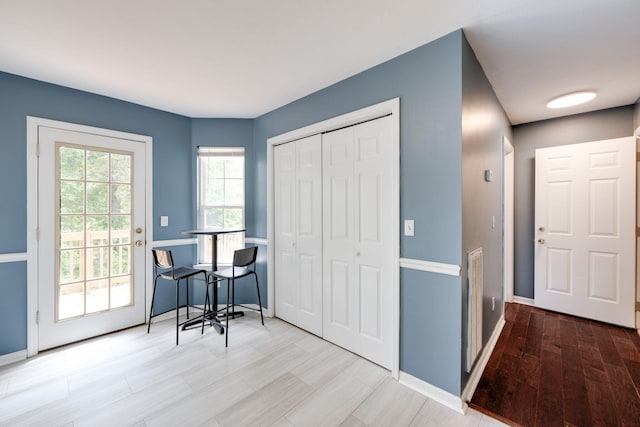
x: 409, y: 229
x: 164, y: 221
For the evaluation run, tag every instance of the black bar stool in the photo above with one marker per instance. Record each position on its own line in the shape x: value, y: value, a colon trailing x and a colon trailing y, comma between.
x: 242, y: 260
x: 164, y: 260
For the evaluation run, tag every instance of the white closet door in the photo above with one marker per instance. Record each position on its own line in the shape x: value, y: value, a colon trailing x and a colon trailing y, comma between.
x: 358, y: 241
x: 298, y: 213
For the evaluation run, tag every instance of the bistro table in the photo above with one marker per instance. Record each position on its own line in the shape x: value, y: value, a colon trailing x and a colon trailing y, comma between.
x: 214, y: 232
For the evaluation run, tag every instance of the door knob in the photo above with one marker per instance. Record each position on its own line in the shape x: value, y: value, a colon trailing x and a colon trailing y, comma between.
x: 138, y: 243
x: 541, y: 241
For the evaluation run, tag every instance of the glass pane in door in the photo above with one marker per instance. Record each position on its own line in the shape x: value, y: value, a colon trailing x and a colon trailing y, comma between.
x: 94, y: 233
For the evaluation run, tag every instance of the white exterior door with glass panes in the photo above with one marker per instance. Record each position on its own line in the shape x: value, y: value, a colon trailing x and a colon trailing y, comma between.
x: 91, y: 248
x: 220, y: 199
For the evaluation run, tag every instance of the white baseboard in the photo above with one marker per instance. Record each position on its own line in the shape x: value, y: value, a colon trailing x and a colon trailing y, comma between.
x: 7, y: 359
x: 458, y: 404
x: 477, y: 371
x: 432, y: 392
x: 523, y: 300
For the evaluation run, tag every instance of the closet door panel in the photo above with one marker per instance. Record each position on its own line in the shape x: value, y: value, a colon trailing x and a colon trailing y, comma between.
x: 369, y: 208
x: 298, y: 233
x: 286, y: 295
x: 358, y: 241
x: 339, y: 296
x: 374, y: 240
x: 309, y: 232
x: 370, y: 302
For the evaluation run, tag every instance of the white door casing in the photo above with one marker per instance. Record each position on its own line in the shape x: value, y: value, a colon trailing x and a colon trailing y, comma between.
x: 508, y: 218
x: 44, y: 331
x: 298, y: 223
x: 585, y: 230
x: 389, y: 108
x: 358, y: 250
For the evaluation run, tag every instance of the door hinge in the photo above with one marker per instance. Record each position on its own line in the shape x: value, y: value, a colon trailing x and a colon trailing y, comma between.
x: 38, y: 317
x: 38, y: 150
x: 638, y: 232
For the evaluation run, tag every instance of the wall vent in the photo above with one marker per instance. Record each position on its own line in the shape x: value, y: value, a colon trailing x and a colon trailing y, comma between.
x: 474, y: 313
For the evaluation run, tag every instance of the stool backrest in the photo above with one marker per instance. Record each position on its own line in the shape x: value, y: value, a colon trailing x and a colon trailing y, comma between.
x: 245, y: 257
x: 162, y: 258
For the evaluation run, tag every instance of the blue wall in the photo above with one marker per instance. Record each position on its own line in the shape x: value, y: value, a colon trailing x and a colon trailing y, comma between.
x: 13, y: 307
x: 225, y: 133
x: 233, y: 133
x: 172, y: 174
x: 428, y: 82
x: 484, y: 124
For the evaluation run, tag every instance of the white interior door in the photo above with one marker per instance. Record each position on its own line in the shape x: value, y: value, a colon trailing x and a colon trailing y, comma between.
x: 585, y: 230
x: 358, y: 241
x: 298, y: 224
x: 91, y: 222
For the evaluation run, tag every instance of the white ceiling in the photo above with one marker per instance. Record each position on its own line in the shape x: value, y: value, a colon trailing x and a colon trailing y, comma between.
x: 243, y: 58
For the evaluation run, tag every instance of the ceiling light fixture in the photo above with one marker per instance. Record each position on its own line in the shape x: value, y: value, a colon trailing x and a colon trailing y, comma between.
x: 571, y: 99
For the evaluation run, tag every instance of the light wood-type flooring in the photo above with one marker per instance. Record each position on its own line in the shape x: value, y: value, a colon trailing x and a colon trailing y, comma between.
x: 273, y: 375
x: 550, y: 369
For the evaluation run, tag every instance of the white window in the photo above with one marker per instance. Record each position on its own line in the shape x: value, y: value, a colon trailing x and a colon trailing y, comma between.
x: 220, y: 200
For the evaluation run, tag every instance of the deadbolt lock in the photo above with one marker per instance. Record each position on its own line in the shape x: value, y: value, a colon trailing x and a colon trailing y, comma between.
x: 138, y: 230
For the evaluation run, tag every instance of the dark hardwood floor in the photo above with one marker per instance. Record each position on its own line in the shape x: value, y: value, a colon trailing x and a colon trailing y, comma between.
x: 549, y: 369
